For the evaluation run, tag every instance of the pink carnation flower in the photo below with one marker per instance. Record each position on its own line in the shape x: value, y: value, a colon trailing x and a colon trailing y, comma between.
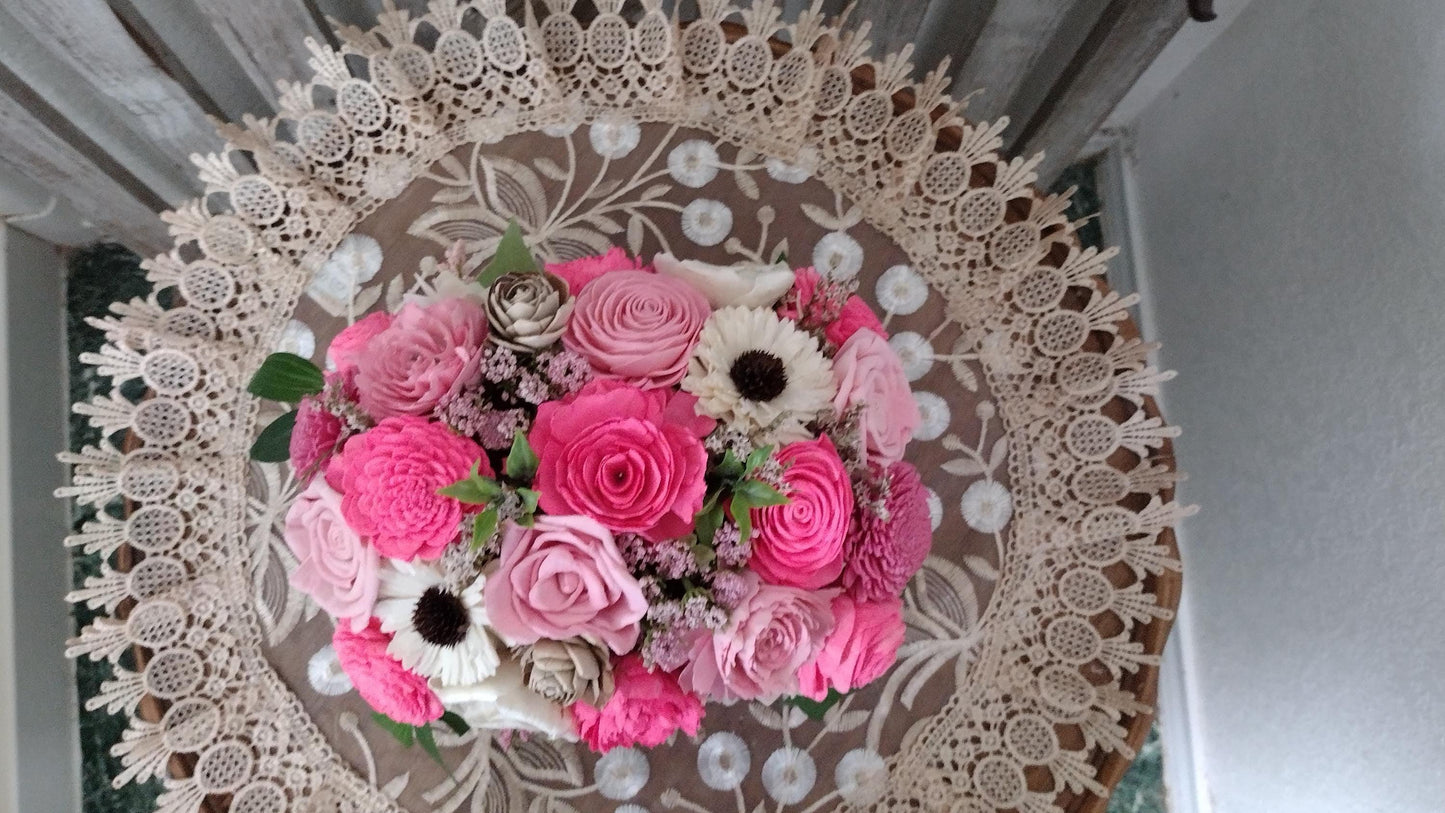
x: 337, y: 568
x: 884, y: 554
x: 427, y: 353
x: 577, y: 273
x: 637, y: 327
x: 380, y: 679
x: 389, y: 477
x: 646, y: 708
x: 349, y: 345
x: 863, y: 645
x: 313, y: 438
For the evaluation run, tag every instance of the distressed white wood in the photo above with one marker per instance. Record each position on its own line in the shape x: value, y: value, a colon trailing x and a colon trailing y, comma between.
x: 266, y: 38
x: 894, y: 22
x: 1012, y: 41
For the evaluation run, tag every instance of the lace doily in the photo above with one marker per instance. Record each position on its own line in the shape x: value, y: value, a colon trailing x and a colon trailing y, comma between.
x: 1036, y: 625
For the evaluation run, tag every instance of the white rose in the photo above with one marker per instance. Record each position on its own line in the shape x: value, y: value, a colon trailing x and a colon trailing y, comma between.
x: 503, y: 701
x: 749, y: 285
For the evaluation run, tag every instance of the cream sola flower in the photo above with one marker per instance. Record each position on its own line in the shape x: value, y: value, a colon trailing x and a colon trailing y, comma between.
x: 437, y: 631
x: 760, y: 373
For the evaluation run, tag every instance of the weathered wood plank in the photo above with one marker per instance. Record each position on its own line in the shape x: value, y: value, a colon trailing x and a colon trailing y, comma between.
x: 266, y: 38
x: 948, y: 31
x: 895, y: 23
x: 1012, y: 41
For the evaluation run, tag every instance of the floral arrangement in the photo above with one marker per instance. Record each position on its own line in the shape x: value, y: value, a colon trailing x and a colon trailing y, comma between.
x: 584, y: 500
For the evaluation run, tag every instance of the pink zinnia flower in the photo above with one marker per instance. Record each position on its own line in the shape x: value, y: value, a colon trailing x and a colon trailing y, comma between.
x: 884, y: 554
x: 646, y: 708
x: 577, y: 273
x: 380, y: 679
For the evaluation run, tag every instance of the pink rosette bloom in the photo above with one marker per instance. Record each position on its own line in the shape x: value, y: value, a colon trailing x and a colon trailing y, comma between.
x: 577, y: 273
x: 381, y: 680
x: 637, y: 327
x: 338, y: 568
x: 427, y: 353
x: 389, y: 478
x: 631, y: 459
x: 852, y: 315
x: 855, y: 316
x: 313, y: 438
x: 645, y: 709
x: 883, y: 554
x: 770, y: 636
x: 564, y: 577
x: 863, y: 645
x: 800, y: 543
x: 349, y: 345
x: 869, y: 374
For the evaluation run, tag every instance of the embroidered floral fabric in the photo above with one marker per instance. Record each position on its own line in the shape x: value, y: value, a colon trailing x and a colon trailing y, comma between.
x: 1050, y: 503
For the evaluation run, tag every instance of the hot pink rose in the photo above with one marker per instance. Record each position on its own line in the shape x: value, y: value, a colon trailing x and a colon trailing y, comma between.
x: 337, y: 568
x: 389, y: 477
x: 770, y: 636
x: 577, y: 273
x: 564, y: 577
x: 864, y: 644
x: 313, y: 438
x: 842, y: 319
x: 883, y: 554
x: 427, y: 353
x: 380, y: 679
x: 800, y: 543
x: 349, y: 345
x: 630, y: 459
x: 637, y: 327
x: 645, y: 709
x: 868, y: 373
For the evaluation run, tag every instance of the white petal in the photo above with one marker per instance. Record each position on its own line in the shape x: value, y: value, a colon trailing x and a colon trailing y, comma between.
x: 797, y: 171
x: 614, y: 138
x: 297, y: 338
x: 914, y: 352
x: 986, y: 506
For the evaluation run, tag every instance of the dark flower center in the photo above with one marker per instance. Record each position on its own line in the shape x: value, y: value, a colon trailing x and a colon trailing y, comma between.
x: 759, y: 375
x: 440, y: 618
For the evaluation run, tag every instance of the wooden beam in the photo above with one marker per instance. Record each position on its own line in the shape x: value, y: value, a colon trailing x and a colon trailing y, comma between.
x: 266, y: 38
x: 895, y: 23
x: 1016, y: 35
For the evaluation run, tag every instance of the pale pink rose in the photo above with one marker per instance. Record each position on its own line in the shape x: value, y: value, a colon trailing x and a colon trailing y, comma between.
x: 863, y: 645
x: 883, y: 554
x: 314, y: 438
x: 769, y: 638
x: 389, y: 478
x: 801, y: 542
x: 646, y: 708
x: 349, y: 345
x: 577, y: 273
x: 561, y: 578
x: 426, y: 354
x: 380, y: 679
x: 868, y: 373
x: 637, y: 327
x: 337, y: 568
x: 631, y: 459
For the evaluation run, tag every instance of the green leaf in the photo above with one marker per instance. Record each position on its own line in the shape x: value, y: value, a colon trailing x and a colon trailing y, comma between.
x: 529, y: 500
x: 273, y: 445
x: 483, y: 527
x: 512, y: 256
x: 286, y: 377
x: 428, y: 742
x: 709, y: 519
x: 455, y: 722
x: 739, y: 507
x: 730, y: 469
x: 756, y: 458
x: 781, y: 258
x: 474, y: 489
x: 815, y: 709
x: 759, y: 494
x: 704, y: 554
x: 522, y: 462
x: 404, y: 734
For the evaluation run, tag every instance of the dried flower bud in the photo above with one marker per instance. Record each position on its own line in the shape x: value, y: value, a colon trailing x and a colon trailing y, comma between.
x: 567, y: 671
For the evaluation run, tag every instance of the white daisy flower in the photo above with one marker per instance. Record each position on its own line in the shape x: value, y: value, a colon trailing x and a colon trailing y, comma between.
x: 325, y: 673
x: 622, y: 773
x: 936, y: 416
x: 614, y: 137
x: 693, y: 163
x: 838, y: 256
x: 935, y: 508
x: 437, y: 632
x: 707, y: 222
x: 788, y: 775
x: 796, y: 171
x: 723, y: 761
x: 297, y: 338
x: 901, y: 290
x: 987, y: 506
x: 914, y: 351
x: 862, y: 777
x: 759, y: 372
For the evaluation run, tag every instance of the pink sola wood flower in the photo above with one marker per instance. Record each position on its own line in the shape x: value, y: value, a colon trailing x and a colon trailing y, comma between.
x: 883, y: 554
x: 840, y: 319
x: 380, y: 679
x: 646, y: 708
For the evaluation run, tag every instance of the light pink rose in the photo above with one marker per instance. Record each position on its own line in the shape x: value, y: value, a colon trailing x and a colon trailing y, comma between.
x: 646, y: 708
x: 801, y: 542
x: 868, y: 373
x: 637, y: 327
x: 863, y: 645
x: 770, y: 636
x: 883, y: 554
x: 389, y: 478
x: 577, y: 273
x: 561, y: 578
x: 337, y: 568
x: 631, y: 459
x: 380, y: 679
x: 425, y: 355
x: 349, y: 345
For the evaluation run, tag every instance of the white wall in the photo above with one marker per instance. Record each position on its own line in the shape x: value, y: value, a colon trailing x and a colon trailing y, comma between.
x: 1291, y: 191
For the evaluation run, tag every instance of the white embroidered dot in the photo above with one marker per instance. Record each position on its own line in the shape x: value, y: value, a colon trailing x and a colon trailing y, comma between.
x: 914, y: 351
x: 987, y: 506
x: 297, y: 338
x: 936, y: 416
x: 788, y: 775
x: 354, y: 262
x: 935, y: 508
x: 693, y: 163
x: 795, y: 172
x: 901, y: 290
x: 561, y: 130
x: 706, y: 222
x: 325, y: 673
x: 621, y: 773
x: 630, y: 808
x: 614, y: 138
x: 862, y: 777
x: 838, y: 256
x: 723, y: 761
